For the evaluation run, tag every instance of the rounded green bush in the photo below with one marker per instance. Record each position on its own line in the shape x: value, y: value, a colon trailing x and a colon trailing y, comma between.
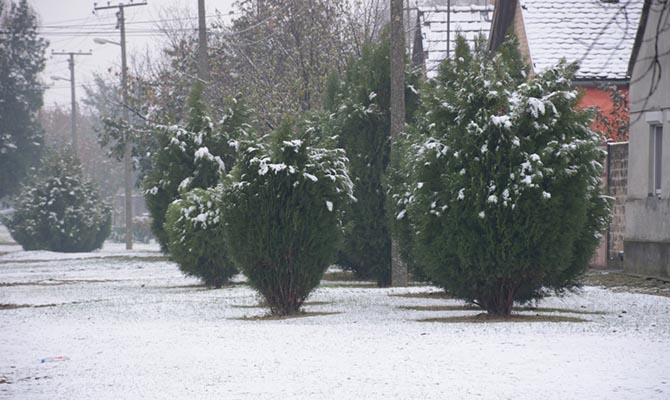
x: 503, y: 201
x: 195, y: 237
x: 59, y: 209
x: 283, y: 207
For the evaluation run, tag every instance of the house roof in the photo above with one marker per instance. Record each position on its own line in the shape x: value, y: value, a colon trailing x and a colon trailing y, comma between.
x: 469, y: 21
x: 639, y: 36
x: 599, y: 34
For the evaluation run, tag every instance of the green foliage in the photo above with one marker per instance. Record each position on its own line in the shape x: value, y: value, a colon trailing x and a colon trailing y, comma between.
x: 283, y: 208
x: 21, y: 62
x: 503, y: 199
x: 195, y: 233
x: 59, y: 209
x: 360, y: 107
x: 194, y: 156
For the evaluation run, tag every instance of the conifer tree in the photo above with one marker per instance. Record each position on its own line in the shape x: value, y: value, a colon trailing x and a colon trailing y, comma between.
x: 195, y: 231
x: 59, y: 209
x: 282, y: 211
x: 360, y: 109
x: 21, y: 62
x: 193, y: 156
x: 503, y: 199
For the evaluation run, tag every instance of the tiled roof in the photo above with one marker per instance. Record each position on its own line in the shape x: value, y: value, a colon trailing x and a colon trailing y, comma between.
x: 469, y: 21
x: 598, y: 34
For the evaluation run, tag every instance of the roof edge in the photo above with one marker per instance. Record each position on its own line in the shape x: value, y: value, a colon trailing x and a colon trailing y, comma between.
x: 503, y: 17
x: 639, y: 36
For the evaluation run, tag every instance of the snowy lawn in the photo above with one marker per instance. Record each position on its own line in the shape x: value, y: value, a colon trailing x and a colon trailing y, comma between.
x: 128, y: 325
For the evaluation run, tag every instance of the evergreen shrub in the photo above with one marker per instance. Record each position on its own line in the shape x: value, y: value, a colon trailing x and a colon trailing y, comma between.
x: 194, y: 156
x: 503, y: 200
x: 195, y: 233
x: 282, y: 212
x: 59, y: 209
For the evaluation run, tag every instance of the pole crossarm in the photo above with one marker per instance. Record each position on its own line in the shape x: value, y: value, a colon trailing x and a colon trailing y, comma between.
x: 71, y: 53
x: 109, y: 6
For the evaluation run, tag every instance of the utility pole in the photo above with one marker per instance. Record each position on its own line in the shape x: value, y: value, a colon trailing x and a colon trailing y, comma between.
x: 398, y: 268
x: 127, y: 147
x: 73, y: 112
x: 203, y: 67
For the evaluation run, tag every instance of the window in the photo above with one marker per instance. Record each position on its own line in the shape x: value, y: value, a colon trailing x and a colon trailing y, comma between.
x: 656, y: 159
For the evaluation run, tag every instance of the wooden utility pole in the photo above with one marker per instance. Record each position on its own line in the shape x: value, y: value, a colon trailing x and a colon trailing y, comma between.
x: 398, y: 268
x: 203, y: 67
x: 127, y: 147
x: 73, y: 96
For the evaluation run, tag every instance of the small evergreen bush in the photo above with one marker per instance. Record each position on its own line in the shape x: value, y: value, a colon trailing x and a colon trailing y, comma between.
x: 283, y: 208
x: 194, y: 228
x: 503, y: 199
x: 59, y: 209
x: 194, y: 156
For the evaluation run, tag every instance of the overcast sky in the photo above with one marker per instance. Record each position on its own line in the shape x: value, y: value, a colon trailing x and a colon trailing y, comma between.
x: 70, y: 25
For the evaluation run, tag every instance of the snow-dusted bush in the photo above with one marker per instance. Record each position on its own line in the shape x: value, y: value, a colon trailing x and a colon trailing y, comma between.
x: 194, y: 156
x: 194, y: 228
x: 503, y: 200
x: 283, y: 208
x: 59, y: 209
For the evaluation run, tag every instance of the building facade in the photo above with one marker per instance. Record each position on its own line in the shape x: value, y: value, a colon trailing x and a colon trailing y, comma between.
x: 647, y: 237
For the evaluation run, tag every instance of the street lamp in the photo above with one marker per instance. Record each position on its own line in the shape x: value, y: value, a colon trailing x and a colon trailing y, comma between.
x: 105, y: 41
x: 126, y: 146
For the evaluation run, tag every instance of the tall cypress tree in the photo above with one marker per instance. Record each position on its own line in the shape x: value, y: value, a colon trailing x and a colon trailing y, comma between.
x: 361, y: 118
x: 21, y: 61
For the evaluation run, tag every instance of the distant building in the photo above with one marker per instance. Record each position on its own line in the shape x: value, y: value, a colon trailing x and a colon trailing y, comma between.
x: 438, y: 25
x: 647, y: 237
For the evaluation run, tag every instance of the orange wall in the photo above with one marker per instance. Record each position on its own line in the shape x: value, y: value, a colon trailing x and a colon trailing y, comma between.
x: 596, y: 97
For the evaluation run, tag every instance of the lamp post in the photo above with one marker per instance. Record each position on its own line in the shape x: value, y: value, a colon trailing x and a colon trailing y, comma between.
x: 127, y: 148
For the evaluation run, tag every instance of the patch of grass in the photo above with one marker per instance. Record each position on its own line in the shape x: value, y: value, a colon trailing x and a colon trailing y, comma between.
x: 624, y: 282
x: 317, y: 303
x: 559, y: 310
x: 424, y: 295
x: 146, y: 259
x: 15, y: 306
x: 357, y: 284
x: 270, y: 317
x: 486, y: 318
x: 55, y: 282
x: 441, y: 308
x: 307, y: 303
x: 339, y: 276
x: 475, y: 308
x: 158, y: 258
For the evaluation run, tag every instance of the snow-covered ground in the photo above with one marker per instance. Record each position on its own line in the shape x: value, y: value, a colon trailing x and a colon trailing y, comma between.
x: 129, y: 326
